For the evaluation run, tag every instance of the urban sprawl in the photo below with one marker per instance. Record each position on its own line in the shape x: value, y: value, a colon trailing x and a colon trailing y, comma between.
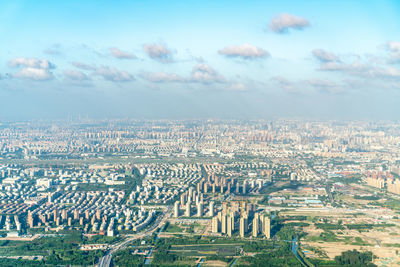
x: 199, y: 193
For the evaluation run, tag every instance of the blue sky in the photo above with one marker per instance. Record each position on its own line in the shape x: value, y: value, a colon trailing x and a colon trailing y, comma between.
x: 200, y: 59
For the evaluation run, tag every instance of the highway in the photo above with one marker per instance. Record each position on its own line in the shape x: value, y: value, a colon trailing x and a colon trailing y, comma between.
x: 105, y: 261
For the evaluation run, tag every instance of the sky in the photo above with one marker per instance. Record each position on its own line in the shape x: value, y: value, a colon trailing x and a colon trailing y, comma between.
x: 188, y: 59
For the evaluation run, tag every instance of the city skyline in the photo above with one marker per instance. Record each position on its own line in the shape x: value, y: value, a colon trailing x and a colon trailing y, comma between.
x: 206, y: 59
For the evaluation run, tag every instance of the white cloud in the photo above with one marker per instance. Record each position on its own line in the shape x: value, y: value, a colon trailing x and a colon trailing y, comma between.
x: 366, y: 67
x: 203, y: 73
x: 162, y: 77
x: 75, y: 75
x: 83, y: 66
x: 55, y: 49
x: 386, y: 72
x: 325, y: 56
x: 358, y: 68
x: 334, y: 66
x: 285, y: 84
x: 283, y: 22
x: 114, y: 75
x: 31, y: 62
x: 117, y: 53
x: 245, y: 51
x: 34, y: 74
x: 321, y: 83
x: 159, y: 52
x: 237, y: 87
x: 309, y: 86
x: 32, y: 68
x: 108, y: 73
x: 394, y: 49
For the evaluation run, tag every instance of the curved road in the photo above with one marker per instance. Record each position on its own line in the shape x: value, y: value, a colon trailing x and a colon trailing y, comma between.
x: 105, y: 261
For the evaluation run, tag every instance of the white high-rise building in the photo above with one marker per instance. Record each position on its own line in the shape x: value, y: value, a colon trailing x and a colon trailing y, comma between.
x: 211, y: 210
x: 200, y: 209
x: 176, y: 209
x: 188, y: 211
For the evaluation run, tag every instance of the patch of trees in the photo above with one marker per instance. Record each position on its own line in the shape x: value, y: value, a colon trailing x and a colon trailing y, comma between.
x: 286, y: 232
x: 296, y: 218
x: 367, y: 226
x: 329, y: 226
x: 15, y: 262
x: 328, y: 236
x: 163, y: 256
x: 126, y: 258
x: 299, y: 224
x: 372, y: 197
x: 281, y: 256
x: 355, y: 258
x: 257, y: 246
x: 74, y: 257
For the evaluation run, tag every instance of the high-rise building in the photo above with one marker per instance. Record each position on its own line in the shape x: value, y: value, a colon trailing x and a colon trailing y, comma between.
x: 243, y: 226
x: 256, y: 227
x: 267, y: 227
x: 198, y: 187
x: 232, y: 216
x: 98, y: 215
x: 214, y: 225
x: 200, y: 209
x: 176, y: 209
x: 225, y: 208
x: 211, y: 210
x: 55, y: 216
x: 188, y: 211
x: 190, y: 193
x: 76, y: 214
x: 183, y: 196
x: 229, y: 223
x: 64, y: 214
x: 30, y: 219
x: 223, y: 224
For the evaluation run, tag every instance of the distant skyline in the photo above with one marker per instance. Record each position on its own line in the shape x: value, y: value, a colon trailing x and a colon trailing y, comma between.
x: 200, y: 59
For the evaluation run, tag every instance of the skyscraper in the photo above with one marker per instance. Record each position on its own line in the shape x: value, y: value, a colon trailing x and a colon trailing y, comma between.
x: 188, y: 211
x: 256, y: 227
x: 267, y: 227
x: 229, y: 225
x: 223, y: 224
x: 176, y: 209
x: 214, y: 225
x: 211, y: 210
x: 200, y: 209
x: 243, y: 226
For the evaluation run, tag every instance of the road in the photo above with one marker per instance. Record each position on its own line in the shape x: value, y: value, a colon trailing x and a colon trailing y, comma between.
x: 328, y: 189
x: 105, y: 261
